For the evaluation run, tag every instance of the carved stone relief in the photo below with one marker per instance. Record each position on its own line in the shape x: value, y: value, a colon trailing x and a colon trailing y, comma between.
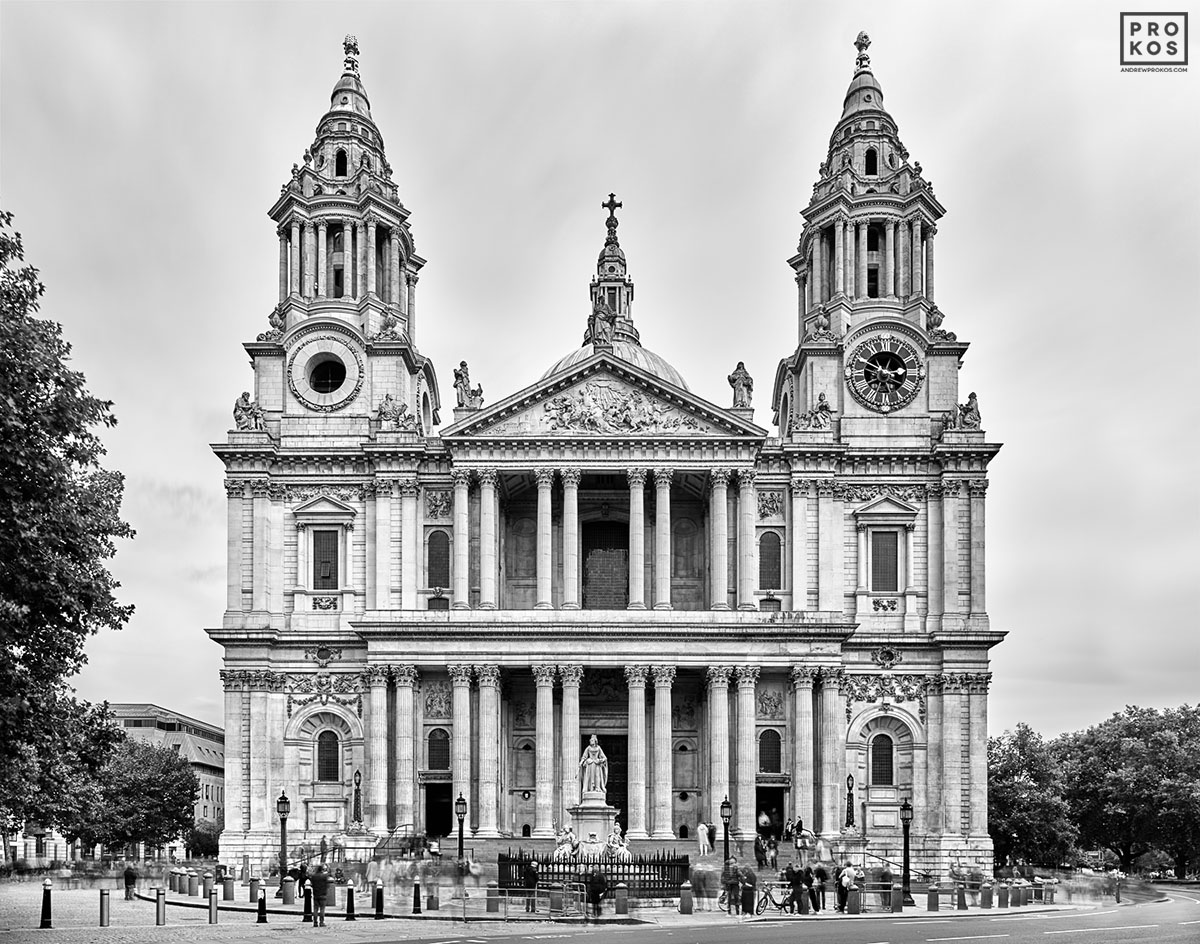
x: 437, y: 700
x: 770, y: 504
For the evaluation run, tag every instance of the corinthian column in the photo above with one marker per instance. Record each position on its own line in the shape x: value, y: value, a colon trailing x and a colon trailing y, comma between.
x: 977, y: 491
x: 719, y: 555
x: 570, y: 479
x: 664, y: 675
x: 543, y: 822
x: 747, y: 754
x: 832, y: 749
x: 489, y: 751
x: 294, y: 277
x: 918, y: 280
x: 409, y: 543
x: 635, y: 677
x: 383, y: 544
x: 375, y: 807
x: 799, y: 544
x: 637, y: 539
x: 839, y: 257
x: 237, y: 813
x: 462, y: 542
x: 322, y: 256
x: 460, y: 756
x: 405, y: 677
x: 802, y: 683
x: 977, y: 706
x: 888, y: 289
x: 952, y: 752
x: 283, y: 275
x: 747, y: 546
x: 571, y: 676
x: 372, y: 283
x: 487, y: 539
x: 718, y: 733
x: 235, y: 492
x: 929, y: 234
x: 545, y: 563
x: 662, y: 538
x: 860, y: 274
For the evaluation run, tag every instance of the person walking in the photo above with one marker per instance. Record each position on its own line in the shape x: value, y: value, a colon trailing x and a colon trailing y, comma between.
x: 822, y: 878
x: 749, y: 883
x: 810, y: 886
x: 795, y: 879
x: 131, y: 878
x: 319, y: 883
x: 732, y: 884
x: 597, y: 888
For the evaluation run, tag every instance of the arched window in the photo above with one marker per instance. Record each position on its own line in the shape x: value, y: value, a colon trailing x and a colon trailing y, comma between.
x: 439, y: 749
x: 770, y: 562
x: 439, y: 559
x: 770, y: 752
x: 686, y: 553
x: 872, y: 162
x: 329, y: 760
x: 883, y: 768
x: 339, y: 164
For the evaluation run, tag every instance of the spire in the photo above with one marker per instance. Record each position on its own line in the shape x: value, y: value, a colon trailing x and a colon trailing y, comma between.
x: 349, y: 94
x: 611, y: 290
x: 864, y: 93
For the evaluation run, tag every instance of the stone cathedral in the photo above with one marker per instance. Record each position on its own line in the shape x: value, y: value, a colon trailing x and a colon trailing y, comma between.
x: 792, y: 618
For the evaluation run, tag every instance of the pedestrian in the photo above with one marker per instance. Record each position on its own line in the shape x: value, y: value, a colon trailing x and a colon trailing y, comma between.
x: 597, y: 888
x: 319, y: 882
x: 702, y: 833
x: 131, y: 878
x: 845, y: 879
x: 822, y: 879
x: 531, y: 883
x: 772, y: 855
x: 731, y: 884
x: 760, y: 851
x: 749, y: 883
x: 795, y: 879
x: 810, y: 885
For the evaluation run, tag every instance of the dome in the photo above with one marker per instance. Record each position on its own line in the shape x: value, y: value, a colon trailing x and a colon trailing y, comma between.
x: 634, y: 354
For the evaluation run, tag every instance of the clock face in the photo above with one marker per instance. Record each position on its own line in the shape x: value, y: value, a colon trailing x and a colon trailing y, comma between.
x: 884, y: 373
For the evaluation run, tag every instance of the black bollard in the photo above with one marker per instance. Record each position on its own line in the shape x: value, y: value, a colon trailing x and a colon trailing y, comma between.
x: 212, y: 906
x: 416, y: 895
x: 350, y: 904
x: 160, y: 906
x: 47, y: 922
x: 378, y: 901
x: 262, y: 908
x: 104, y: 907
x: 307, y: 919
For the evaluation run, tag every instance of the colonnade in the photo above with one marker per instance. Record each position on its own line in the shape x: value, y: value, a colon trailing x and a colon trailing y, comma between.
x: 306, y: 261
x: 660, y: 593
x: 906, y: 259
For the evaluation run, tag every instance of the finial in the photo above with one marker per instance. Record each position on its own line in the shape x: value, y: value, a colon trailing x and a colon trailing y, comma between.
x: 861, y: 43
x: 350, y: 48
x: 612, y: 205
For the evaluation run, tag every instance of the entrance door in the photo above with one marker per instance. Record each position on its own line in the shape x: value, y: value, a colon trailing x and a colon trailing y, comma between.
x: 605, y: 566
x: 770, y: 800
x: 439, y: 810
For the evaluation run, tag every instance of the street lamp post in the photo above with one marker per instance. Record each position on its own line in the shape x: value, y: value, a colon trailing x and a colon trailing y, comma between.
x: 726, y: 816
x: 460, y: 810
x: 906, y: 817
x: 283, y: 806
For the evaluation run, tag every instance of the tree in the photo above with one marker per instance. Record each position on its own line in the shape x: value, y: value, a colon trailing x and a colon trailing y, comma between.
x: 1027, y: 815
x: 59, y: 519
x: 146, y: 794
x: 204, y: 841
x: 1133, y: 782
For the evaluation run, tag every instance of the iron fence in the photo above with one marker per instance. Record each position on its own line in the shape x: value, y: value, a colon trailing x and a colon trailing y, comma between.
x: 646, y: 876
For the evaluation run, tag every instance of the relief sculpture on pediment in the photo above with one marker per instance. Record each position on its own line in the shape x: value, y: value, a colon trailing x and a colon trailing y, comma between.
x: 606, y: 407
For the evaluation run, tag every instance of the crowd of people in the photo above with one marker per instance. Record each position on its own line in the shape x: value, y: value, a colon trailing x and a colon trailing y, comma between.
x: 807, y: 886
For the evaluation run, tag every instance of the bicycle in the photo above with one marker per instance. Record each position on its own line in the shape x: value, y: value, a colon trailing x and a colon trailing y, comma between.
x: 778, y: 894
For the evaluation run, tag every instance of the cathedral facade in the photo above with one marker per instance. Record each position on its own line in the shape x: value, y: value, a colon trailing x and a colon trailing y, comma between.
x: 792, y: 619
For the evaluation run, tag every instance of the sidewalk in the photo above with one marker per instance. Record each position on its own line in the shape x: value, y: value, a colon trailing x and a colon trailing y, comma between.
x: 76, y: 918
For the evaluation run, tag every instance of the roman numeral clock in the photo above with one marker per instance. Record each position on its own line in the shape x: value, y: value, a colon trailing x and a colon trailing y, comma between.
x: 884, y: 373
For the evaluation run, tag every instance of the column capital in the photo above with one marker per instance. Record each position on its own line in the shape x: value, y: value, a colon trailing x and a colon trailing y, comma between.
x: 488, y: 675
x: 570, y: 477
x: 404, y: 675
x: 720, y: 477
x: 664, y: 675
x: 637, y: 478
x: 800, y: 487
x: 862, y: 222
x: 283, y: 230
x: 235, y: 488
x: 460, y: 477
x: 375, y: 675
x: 543, y: 675
x: 322, y: 223
x: 746, y: 478
x: 803, y: 676
x: 233, y: 680
x: 407, y: 487
x: 831, y: 676
x: 635, y: 675
x: 977, y: 488
x: 545, y: 477
x: 487, y: 477
x: 372, y: 220
x: 930, y: 230
x: 747, y: 676
x: 571, y: 675
x: 719, y: 675
x: 662, y: 477
x: 460, y: 674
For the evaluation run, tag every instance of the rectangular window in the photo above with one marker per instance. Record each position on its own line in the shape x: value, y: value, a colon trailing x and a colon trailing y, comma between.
x: 325, y: 560
x: 873, y: 282
x: 438, y: 603
x: 885, y: 561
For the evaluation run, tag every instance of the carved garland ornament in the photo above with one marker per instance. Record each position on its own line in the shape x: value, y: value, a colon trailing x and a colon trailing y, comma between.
x: 345, y: 395
x: 872, y: 688
x: 323, y: 688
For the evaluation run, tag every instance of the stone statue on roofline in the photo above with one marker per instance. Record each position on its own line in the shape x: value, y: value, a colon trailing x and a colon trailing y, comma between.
x: 469, y: 397
x: 247, y: 416
x: 742, y: 384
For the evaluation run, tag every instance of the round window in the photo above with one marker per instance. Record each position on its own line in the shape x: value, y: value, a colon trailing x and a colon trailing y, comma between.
x: 327, y: 374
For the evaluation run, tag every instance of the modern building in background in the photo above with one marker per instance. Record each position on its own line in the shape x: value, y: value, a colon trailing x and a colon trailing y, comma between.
x: 792, y: 618
x: 201, y: 745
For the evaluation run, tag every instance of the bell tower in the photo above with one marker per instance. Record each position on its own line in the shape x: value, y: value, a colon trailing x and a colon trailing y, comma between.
x: 611, y: 289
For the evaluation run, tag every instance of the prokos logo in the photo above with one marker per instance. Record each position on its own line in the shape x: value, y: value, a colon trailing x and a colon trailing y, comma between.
x: 1154, y: 39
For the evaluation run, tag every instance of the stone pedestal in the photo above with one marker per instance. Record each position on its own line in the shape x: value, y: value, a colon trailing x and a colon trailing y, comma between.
x: 464, y: 412
x: 744, y: 412
x: 592, y: 821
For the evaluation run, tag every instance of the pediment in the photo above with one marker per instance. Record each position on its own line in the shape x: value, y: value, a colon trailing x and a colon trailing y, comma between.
x: 323, y: 506
x: 604, y: 397
x: 885, y: 506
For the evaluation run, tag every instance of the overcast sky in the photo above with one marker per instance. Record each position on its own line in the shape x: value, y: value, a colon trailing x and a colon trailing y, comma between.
x: 141, y: 145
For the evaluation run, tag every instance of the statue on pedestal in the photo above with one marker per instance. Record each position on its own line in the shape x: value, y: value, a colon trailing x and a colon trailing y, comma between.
x: 247, y: 415
x: 468, y: 396
x: 743, y: 385
x: 593, y: 767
